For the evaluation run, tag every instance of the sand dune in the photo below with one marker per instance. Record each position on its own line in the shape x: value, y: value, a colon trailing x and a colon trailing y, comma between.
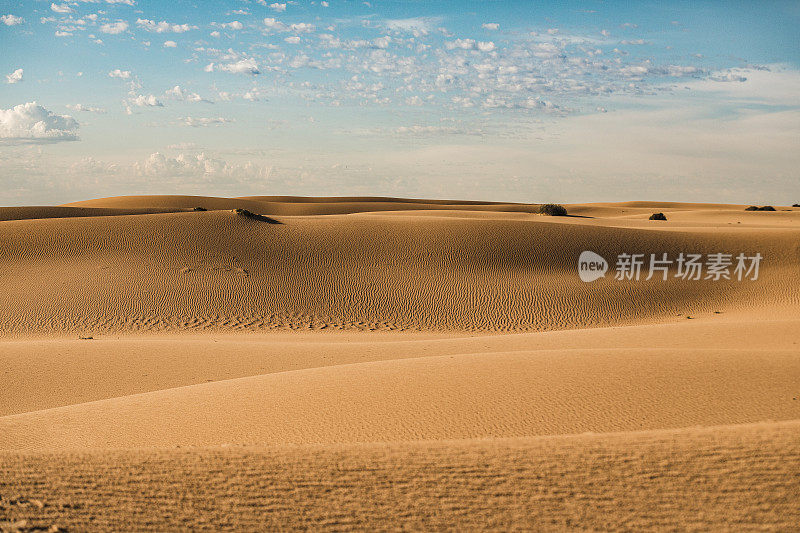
x: 219, y: 271
x: 429, y: 364
x: 51, y: 373
x: 434, y: 398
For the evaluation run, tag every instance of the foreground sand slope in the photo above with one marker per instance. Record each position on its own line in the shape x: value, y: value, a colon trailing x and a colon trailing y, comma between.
x: 722, y: 478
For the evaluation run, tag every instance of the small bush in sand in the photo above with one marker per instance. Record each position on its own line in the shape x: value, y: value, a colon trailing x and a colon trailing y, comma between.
x: 199, y: 209
x: 795, y: 205
x: 553, y: 210
x: 658, y: 216
x: 255, y: 216
x: 763, y: 208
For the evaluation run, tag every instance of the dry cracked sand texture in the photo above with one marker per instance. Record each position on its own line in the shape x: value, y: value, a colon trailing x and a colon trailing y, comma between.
x: 382, y: 363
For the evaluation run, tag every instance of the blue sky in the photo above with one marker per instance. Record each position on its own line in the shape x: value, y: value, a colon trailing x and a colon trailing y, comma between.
x: 496, y: 100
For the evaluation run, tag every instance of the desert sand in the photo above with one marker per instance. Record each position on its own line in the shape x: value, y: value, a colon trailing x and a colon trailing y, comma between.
x: 385, y: 363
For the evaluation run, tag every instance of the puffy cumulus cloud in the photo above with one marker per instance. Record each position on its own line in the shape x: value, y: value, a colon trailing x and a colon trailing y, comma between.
x: 178, y: 93
x: 275, y: 24
x: 11, y: 20
x: 86, y: 108
x: 163, y: 26
x: 170, y: 44
x: 294, y: 39
x: 201, y: 165
x: 278, y: 8
x: 490, y: 26
x: 201, y: 122
x: 114, y: 28
x: 145, y: 101
x: 243, y: 66
x: 14, y: 77
x: 470, y: 44
x: 61, y: 8
x: 32, y: 123
x: 121, y: 74
x: 235, y: 25
x: 302, y: 27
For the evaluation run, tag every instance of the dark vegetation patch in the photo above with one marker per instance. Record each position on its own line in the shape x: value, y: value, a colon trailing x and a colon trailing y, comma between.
x: 255, y: 216
x: 553, y: 210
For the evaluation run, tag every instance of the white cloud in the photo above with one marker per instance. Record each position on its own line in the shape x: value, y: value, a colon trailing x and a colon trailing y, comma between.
x: 323, y: 3
x: 11, y: 20
x: 170, y: 44
x: 235, y: 25
x: 163, y: 26
x: 176, y: 92
x: 417, y: 26
x: 145, y: 101
x: 486, y: 46
x: 114, y: 28
x: 275, y: 24
x: 302, y: 27
x: 121, y: 74
x: 382, y: 42
x: 14, y: 77
x: 200, y: 165
x: 278, y: 8
x: 179, y: 94
x: 215, y: 34
x: 490, y: 26
x: 61, y: 8
x: 199, y: 122
x: 32, y: 123
x: 294, y: 39
x: 86, y: 108
x: 243, y: 66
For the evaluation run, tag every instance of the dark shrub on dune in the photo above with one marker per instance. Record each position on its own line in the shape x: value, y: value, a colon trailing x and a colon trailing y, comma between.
x: 763, y: 208
x: 199, y: 209
x: 553, y: 210
x: 658, y: 216
x: 751, y: 208
x: 255, y: 216
x: 795, y: 205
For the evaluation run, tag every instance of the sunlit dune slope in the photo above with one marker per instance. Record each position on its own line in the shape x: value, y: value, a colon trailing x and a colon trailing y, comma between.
x: 502, y: 394
x: 46, y: 373
x: 483, y: 272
